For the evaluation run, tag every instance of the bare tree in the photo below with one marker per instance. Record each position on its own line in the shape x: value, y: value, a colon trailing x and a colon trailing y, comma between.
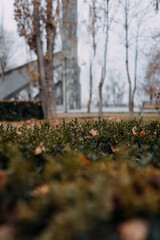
x: 156, y: 3
x: 101, y: 11
x: 138, y: 17
x: 93, y: 29
x: 90, y: 88
x: 109, y: 8
x: 152, y: 81
x: 37, y: 24
x: 141, y: 18
x: 127, y: 8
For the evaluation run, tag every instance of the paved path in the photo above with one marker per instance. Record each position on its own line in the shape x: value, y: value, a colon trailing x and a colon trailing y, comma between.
x: 106, y: 115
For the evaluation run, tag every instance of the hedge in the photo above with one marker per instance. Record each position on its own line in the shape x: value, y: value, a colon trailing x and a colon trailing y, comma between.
x: 79, y: 180
x: 20, y: 110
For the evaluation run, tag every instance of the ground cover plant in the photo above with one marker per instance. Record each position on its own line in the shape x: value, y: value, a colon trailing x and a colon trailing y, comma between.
x: 79, y: 181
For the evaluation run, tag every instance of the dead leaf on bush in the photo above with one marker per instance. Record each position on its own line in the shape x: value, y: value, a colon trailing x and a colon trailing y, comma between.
x: 41, y: 148
x: 114, y: 148
x: 6, y: 231
x: 134, y: 229
x: 42, y: 190
x: 134, y: 129
x: 94, y: 132
x: 3, y: 180
x: 38, y: 151
x: 19, y: 133
x: 142, y: 134
x: 84, y: 159
x: 88, y: 137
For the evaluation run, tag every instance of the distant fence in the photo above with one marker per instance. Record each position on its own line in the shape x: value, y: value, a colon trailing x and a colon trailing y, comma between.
x: 20, y: 110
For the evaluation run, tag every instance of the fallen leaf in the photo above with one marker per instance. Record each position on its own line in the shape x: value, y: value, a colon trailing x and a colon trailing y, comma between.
x: 94, y: 132
x: 19, y: 133
x: 88, y: 137
x: 38, y: 150
x: 134, y: 229
x: 6, y: 231
x: 42, y: 190
x: 114, y: 148
x: 3, y: 180
x: 142, y: 134
x: 84, y: 159
x: 134, y: 129
x: 41, y: 148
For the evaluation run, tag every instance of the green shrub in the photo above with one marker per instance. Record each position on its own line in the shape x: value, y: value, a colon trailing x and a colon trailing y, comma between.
x: 20, y: 110
x: 80, y: 180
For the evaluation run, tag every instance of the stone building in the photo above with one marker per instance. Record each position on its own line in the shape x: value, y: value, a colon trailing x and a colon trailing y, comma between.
x: 23, y: 78
x: 67, y: 85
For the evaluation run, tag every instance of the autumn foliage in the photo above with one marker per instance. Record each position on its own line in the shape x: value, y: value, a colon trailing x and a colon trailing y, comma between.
x: 36, y: 22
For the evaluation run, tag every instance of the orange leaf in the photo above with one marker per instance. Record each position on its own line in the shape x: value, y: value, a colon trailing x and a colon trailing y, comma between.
x: 38, y: 151
x: 113, y: 148
x: 3, y: 180
x: 84, y: 160
x: 134, y: 129
x: 142, y: 134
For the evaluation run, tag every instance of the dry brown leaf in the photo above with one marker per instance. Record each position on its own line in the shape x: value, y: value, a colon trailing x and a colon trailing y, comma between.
x: 84, y: 159
x: 134, y: 129
x: 41, y: 148
x: 38, y: 150
x: 142, y: 134
x: 6, y: 231
x: 134, y: 229
x: 42, y: 190
x: 114, y: 148
x: 94, y: 132
x: 3, y: 180
x: 88, y: 137
x: 19, y: 133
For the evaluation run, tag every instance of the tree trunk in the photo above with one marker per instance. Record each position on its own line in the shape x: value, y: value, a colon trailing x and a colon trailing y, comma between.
x: 127, y: 59
x: 130, y: 90
x: 100, y: 92
x: 90, y: 94
x: 50, y: 91
x: 104, y: 68
x: 136, y: 66
x: 41, y: 69
x: 2, y: 85
x: 45, y: 66
x: 40, y: 60
x: 50, y: 88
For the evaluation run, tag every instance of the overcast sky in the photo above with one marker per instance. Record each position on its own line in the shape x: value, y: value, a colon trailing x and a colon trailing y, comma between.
x: 116, y: 49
